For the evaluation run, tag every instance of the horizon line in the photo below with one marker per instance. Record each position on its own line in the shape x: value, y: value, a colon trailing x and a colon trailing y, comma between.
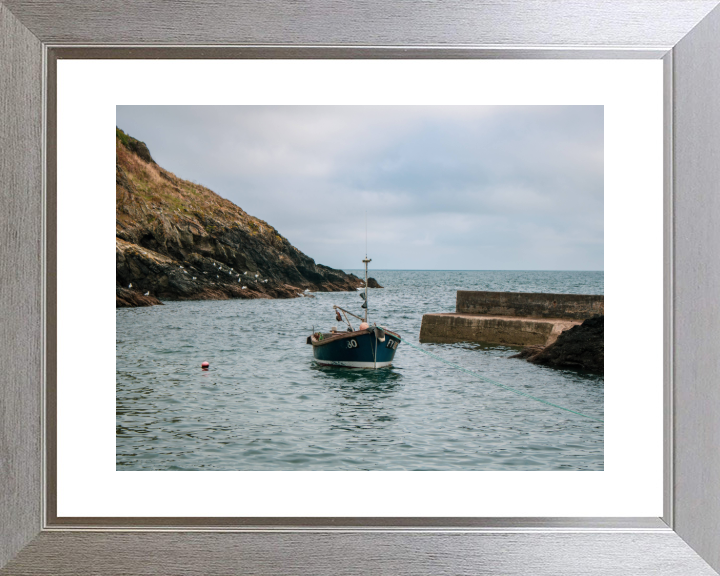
x: 464, y: 270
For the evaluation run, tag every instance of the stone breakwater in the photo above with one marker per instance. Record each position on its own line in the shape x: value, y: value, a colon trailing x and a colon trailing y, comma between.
x: 510, y: 318
x: 530, y: 305
x: 452, y: 327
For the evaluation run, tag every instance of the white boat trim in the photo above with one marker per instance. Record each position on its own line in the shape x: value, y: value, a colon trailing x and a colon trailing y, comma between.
x: 353, y: 364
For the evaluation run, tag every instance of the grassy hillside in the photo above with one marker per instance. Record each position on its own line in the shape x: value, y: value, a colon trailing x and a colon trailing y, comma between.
x: 179, y: 240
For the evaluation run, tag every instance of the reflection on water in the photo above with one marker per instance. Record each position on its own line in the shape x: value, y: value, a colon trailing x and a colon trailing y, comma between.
x: 265, y: 405
x: 361, y: 398
x: 383, y: 378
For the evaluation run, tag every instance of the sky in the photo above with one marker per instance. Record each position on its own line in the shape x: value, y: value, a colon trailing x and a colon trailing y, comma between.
x: 444, y: 187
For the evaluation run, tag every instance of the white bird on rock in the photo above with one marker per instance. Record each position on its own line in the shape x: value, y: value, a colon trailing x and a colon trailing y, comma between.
x: 130, y: 285
x: 147, y: 293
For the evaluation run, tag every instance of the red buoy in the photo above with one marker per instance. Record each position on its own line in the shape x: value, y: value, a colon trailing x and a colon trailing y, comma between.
x: 205, y: 365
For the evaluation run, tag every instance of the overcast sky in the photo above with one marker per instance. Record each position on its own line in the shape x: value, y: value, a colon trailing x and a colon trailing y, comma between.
x: 444, y: 187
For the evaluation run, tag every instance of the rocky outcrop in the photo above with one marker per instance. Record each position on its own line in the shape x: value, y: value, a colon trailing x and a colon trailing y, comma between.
x: 178, y: 240
x: 372, y: 283
x: 129, y: 298
x: 134, y: 145
x: 581, y: 347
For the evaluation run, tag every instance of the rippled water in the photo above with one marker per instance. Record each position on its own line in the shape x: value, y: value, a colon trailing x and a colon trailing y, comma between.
x: 264, y: 405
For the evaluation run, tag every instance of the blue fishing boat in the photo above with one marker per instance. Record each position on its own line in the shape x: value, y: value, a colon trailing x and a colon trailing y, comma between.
x: 367, y: 347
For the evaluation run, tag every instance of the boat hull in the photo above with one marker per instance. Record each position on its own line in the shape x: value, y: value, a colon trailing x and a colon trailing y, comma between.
x: 355, y: 350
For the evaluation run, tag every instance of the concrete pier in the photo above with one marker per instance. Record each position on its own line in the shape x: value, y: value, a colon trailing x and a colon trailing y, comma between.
x: 510, y: 318
x: 530, y: 305
x: 447, y: 328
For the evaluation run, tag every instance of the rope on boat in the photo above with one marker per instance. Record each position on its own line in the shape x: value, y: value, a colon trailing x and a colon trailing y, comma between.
x: 503, y: 386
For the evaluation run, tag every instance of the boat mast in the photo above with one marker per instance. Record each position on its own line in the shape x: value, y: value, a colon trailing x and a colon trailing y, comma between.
x: 366, y: 263
x: 366, y: 300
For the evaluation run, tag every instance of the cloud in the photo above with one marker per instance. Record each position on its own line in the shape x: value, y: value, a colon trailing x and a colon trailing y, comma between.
x: 449, y: 187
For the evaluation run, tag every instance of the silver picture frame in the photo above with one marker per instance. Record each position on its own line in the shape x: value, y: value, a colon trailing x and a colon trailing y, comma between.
x: 685, y: 34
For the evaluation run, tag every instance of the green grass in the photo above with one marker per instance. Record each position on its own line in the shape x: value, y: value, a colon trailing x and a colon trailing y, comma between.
x: 124, y: 138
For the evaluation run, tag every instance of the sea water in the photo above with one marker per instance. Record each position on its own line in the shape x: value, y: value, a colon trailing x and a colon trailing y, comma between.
x: 265, y: 405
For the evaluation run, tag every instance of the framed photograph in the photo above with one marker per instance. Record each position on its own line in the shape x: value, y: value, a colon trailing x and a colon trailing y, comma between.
x: 342, y: 127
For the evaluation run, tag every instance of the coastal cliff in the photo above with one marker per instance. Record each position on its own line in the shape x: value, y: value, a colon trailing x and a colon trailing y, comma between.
x: 177, y: 240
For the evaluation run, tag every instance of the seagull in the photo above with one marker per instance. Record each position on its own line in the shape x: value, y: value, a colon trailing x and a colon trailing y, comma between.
x: 256, y: 275
x: 238, y: 279
x: 244, y: 287
x: 245, y: 273
x: 194, y: 278
x: 220, y: 268
x: 180, y: 266
x: 147, y: 293
x: 130, y: 285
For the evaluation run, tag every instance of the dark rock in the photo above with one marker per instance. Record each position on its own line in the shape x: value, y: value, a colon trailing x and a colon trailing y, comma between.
x: 134, y: 145
x: 128, y: 298
x: 142, y: 151
x: 180, y: 241
x: 581, y: 348
x: 372, y: 283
